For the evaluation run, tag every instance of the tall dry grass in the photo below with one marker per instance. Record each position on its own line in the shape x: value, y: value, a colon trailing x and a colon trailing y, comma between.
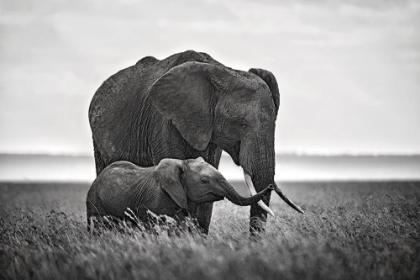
x: 349, y: 231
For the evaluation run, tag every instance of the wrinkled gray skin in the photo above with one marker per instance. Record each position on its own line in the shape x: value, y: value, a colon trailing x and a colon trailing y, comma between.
x: 185, y: 106
x: 165, y: 189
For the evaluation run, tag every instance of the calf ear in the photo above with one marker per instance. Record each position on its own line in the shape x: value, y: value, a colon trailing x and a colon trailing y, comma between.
x: 168, y: 173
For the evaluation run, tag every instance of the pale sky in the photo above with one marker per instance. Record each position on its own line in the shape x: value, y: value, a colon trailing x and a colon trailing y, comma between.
x: 348, y: 71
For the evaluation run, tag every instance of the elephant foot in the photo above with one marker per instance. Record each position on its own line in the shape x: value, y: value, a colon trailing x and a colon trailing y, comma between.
x: 258, y: 217
x: 258, y: 220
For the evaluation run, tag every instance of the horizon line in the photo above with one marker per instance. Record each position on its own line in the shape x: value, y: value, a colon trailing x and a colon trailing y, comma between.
x: 224, y: 154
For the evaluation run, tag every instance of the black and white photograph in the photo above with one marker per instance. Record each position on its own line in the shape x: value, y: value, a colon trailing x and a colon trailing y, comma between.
x: 209, y: 139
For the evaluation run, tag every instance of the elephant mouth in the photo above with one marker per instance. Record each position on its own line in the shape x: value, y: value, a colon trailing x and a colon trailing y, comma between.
x: 207, y: 197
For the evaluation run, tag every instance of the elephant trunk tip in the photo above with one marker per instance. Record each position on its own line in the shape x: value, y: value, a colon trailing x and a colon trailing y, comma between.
x: 237, y: 199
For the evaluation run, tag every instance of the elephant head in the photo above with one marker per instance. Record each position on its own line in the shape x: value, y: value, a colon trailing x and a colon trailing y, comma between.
x: 235, y: 110
x: 198, y: 181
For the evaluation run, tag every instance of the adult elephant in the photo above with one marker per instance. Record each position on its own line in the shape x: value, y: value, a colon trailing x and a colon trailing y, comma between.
x: 185, y: 106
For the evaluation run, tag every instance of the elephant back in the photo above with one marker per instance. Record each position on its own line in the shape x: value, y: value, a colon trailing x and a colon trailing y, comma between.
x: 130, y: 85
x: 121, y: 109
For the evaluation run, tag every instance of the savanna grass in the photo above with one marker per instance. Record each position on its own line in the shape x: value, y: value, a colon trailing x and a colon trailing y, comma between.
x: 349, y: 231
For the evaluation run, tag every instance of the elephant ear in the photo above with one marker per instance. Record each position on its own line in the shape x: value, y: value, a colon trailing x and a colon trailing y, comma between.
x: 168, y: 174
x: 271, y: 82
x: 183, y: 95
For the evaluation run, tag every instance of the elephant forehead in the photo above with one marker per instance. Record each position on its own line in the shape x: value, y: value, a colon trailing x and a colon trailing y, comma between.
x: 204, y: 169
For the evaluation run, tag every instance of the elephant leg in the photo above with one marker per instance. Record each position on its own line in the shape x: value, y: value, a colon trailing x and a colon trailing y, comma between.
x: 99, y: 162
x: 259, y: 216
x: 202, y: 213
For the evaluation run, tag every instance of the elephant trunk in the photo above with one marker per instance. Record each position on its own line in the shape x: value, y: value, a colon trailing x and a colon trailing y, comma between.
x: 232, y: 195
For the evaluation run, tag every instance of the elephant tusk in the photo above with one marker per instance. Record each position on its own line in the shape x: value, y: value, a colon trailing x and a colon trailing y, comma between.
x: 253, y: 191
x: 287, y: 200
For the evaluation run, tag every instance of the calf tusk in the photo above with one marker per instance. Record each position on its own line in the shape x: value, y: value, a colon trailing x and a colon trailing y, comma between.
x: 251, y: 187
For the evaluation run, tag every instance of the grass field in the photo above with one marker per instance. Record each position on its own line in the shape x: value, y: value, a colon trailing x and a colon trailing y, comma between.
x: 362, y: 230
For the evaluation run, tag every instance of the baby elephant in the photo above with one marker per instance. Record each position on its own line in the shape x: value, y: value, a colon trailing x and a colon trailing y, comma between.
x: 164, y: 189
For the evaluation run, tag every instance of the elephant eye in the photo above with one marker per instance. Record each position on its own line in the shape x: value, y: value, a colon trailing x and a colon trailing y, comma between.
x: 205, y: 180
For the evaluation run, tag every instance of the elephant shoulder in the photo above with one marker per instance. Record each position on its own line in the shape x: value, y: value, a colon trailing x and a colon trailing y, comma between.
x: 187, y: 56
x: 210, y: 59
x: 190, y: 55
x: 146, y: 61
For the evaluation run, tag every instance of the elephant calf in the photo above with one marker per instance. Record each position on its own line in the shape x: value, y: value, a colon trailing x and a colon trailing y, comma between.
x: 165, y: 189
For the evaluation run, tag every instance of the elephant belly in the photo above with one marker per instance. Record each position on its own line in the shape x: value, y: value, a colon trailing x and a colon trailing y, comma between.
x: 164, y: 206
